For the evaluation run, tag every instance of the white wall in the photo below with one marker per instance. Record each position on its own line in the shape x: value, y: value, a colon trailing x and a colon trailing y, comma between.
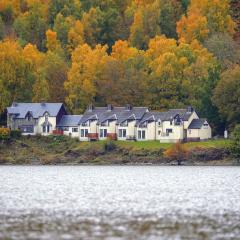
x: 41, y: 120
x: 150, y: 132
x: 111, y: 128
x: 203, y: 134
x: 70, y: 132
x: 175, y: 136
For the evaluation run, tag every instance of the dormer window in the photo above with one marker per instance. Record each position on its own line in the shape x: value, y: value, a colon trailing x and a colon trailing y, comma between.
x: 159, y: 122
x: 205, y: 124
x: 46, y: 117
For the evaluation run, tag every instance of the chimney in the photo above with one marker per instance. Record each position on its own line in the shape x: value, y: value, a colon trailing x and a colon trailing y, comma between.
x: 14, y: 104
x: 90, y: 107
x: 128, y: 107
x: 190, y: 109
x: 109, y: 107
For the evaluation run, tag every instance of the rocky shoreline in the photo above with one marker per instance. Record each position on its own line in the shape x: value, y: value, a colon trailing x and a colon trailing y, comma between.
x: 65, y: 151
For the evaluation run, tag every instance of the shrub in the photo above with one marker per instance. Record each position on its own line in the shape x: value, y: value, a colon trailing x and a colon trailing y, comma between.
x: 109, y: 146
x: 178, y: 152
x: 15, y: 133
x: 235, y: 145
x: 4, y: 133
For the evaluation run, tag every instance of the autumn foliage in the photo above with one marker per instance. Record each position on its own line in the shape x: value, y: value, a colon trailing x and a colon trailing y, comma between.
x: 4, y: 133
x: 157, y: 53
x: 177, y: 152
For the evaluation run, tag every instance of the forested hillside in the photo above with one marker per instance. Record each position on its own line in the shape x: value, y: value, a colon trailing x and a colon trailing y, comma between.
x: 157, y: 53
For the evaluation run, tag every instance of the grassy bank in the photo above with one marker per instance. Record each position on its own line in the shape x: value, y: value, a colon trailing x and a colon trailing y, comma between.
x: 63, y: 150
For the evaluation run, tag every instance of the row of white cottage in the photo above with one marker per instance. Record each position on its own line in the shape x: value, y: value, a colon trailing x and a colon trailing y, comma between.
x: 118, y: 123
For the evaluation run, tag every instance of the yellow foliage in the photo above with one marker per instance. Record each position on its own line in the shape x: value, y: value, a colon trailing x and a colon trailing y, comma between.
x: 121, y: 51
x: 33, y: 55
x: 178, y: 152
x: 75, y: 36
x: 192, y: 27
x: 160, y: 45
x: 52, y: 42
x: 82, y: 77
x: 204, y: 17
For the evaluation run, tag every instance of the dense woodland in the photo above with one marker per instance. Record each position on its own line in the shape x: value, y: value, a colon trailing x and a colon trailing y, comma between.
x: 157, y: 53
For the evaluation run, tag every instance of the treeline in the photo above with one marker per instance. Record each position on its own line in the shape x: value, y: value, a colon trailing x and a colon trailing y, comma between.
x: 159, y: 53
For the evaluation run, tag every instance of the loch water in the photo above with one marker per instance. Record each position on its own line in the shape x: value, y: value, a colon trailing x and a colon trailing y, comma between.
x: 119, y: 202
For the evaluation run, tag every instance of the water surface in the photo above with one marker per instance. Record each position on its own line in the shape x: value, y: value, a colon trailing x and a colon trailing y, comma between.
x: 119, y: 202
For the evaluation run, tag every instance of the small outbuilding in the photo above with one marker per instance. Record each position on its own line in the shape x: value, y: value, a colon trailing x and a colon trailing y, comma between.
x: 69, y: 124
x: 198, y: 130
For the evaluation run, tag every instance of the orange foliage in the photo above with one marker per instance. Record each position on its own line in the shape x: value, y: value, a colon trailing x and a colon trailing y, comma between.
x: 52, y: 42
x: 178, y: 152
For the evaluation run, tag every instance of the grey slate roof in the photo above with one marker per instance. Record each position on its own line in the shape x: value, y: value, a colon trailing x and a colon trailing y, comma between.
x: 69, y: 121
x: 165, y: 116
x: 120, y: 114
x: 36, y: 109
x: 196, y: 123
x: 183, y: 113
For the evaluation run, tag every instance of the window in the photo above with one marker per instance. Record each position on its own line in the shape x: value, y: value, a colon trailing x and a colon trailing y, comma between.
x: 141, y: 134
x: 122, y: 133
x: 46, y: 118
x: 159, y: 132
x: 75, y: 129
x: 159, y: 123
x: 29, y: 117
x: 27, y: 129
x: 48, y: 128
x: 44, y: 129
x: 189, y: 131
x: 103, y: 133
x: 84, y: 133
x: 168, y: 131
x: 65, y: 128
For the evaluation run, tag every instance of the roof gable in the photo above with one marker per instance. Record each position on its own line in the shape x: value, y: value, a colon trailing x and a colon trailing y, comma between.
x: 197, y: 123
x: 69, y: 121
x: 37, y: 109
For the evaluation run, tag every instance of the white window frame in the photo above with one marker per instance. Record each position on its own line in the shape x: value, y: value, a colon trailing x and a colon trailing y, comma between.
x: 75, y: 129
x: 141, y: 136
x: 84, y: 132
x: 121, y: 133
x: 103, y: 132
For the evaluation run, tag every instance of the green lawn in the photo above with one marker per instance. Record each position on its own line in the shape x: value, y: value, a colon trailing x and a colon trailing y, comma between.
x: 154, y: 145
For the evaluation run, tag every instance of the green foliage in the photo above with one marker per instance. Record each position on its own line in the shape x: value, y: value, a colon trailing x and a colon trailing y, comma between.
x: 7, y: 14
x: 15, y: 134
x: 62, y: 26
x: 171, y: 12
x: 227, y: 95
x: 31, y: 27
x: 109, y: 146
x: 235, y: 145
x: 224, y: 48
x: 65, y: 8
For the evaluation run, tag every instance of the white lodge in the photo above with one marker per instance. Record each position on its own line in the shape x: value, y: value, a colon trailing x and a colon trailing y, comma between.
x: 117, y: 123
x: 138, y: 123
